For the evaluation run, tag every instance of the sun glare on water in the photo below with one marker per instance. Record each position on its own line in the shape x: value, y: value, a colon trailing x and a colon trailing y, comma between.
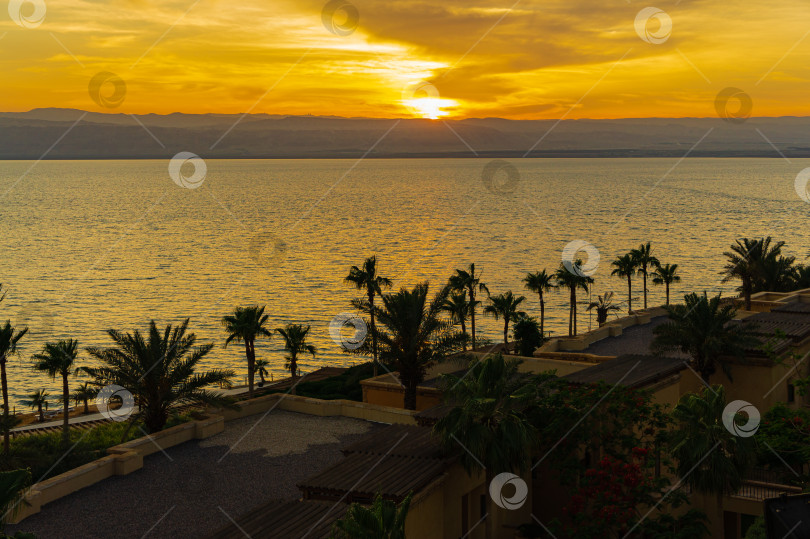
x: 430, y: 107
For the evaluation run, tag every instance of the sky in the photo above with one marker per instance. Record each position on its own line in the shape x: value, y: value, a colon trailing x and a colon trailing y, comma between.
x: 398, y: 58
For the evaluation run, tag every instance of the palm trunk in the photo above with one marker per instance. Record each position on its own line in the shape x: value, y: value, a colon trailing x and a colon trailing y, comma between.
x: 41, y: 414
x: 572, y: 299
x: 4, y: 382
x: 542, y: 315
x: 251, y: 358
x: 410, y: 394
x: 644, y: 276
x: 506, y: 336
x: 574, y: 308
x: 86, y: 407
x: 373, y: 334
x: 629, y: 294
x: 464, y: 332
x: 293, y: 371
x: 65, y: 411
x: 667, y: 286
x: 747, y: 288
x: 472, y: 317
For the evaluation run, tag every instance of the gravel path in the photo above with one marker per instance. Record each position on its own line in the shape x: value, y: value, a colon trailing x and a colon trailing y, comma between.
x: 187, y: 493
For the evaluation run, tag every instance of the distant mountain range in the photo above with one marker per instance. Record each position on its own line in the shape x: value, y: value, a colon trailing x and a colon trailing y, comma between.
x: 61, y: 134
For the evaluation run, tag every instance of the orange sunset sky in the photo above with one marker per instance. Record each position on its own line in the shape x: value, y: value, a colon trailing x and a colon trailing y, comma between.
x: 544, y: 59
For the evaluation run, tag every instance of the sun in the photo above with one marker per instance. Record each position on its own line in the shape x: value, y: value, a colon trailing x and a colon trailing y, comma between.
x: 429, y: 107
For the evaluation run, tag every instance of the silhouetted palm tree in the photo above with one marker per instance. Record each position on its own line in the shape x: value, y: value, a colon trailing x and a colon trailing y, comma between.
x: 83, y: 393
x: 625, y: 267
x: 666, y: 274
x: 505, y: 306
x: 295, y: 342
x: 9, y: 337
x: 778, y: 274
x: 382, y: 520
x: 366, y: 279
x: 38, y: 400
x: 745, y: 261
x: 412, y: 336
x: 469, y: 281
x: 459, y: 309
x: 572, y: 281
x: 603, y: 305
x: 644, y: 261
x: 539, y: 283
x: 246, y: 324
x: 702, y: 328
x: 12, y: 492
x: 261, y: 368
x: 59, y: 359
x: 159, y: 370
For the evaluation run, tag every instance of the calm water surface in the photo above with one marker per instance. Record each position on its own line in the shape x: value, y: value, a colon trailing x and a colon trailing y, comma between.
x: 91, y: 245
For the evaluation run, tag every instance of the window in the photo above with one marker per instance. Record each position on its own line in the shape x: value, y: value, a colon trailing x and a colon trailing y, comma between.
x: 791, y: 397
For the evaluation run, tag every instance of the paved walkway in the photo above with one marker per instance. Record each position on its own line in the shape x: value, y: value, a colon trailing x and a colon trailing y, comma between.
x: 193, y: 489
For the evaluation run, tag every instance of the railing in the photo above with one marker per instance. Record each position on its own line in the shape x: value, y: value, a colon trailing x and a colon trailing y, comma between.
x: 761, y: 483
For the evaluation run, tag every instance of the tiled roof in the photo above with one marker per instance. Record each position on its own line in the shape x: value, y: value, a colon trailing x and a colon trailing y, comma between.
x: 793, y: 307
x: 406, y: 441
x: 795, y: 325
x: 629, y: 370
x: 285, y: 519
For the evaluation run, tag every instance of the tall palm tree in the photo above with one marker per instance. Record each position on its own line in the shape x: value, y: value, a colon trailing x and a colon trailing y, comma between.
x: 38, y: 400
x: 458, y: 307
x: 383, y: 520
x: 412, y: 336
x: 666, y: 274
x: 573, y: 281
x: 603, y: 305
x: 745, y: 262
x: 83, y: 393
x: 9, y: 337
x: 710, y: 459
x: 366, y: 279
x: 539, y: 283
x: 469, y: 281
x: 702, y: 328
x: 625, y: 267
x: 505, y: 306
x: 59, y: 358
x: 644, y: 261
x: 488, y: 419
x: 261, y: 368
x: 295, y: 342
x: 246, y: 324
x: 159, y: 370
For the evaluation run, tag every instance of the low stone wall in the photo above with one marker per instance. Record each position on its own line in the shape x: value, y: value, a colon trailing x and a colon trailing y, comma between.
x: 614, y: 328
x: 128, y: 457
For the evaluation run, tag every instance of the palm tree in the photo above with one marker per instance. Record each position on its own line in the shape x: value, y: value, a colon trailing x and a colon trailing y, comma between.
x: 59, y: 358
x: 13, y: 484
x: 488, y: 419
x: 779, y: 274
x: 644, y: 260
x: 246, y: 324
x: 412, y: 336
x: 710, y: 458
x: 666, y: 274
x: 539, y: 283
x: 625, y: 266
x: 38, y: 400
x: 9, y: 337
x: 703, y: 329
x: 261, y: 368
x: 295, y: 342
x: 383, y: 520
x: 572, y: 281
x: 459, y: 308
x: 603, y: 305
x: 159, y: 370
x: 745, y: 262
x: 505, y: 306
x: 83, y: 393
x: 366, y: 279
x: 467, y: 280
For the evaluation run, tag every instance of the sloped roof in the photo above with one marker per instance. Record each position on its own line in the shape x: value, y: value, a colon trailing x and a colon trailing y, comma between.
x: 285, y: 519
x: 416, y: 442
x: 629, y: 370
